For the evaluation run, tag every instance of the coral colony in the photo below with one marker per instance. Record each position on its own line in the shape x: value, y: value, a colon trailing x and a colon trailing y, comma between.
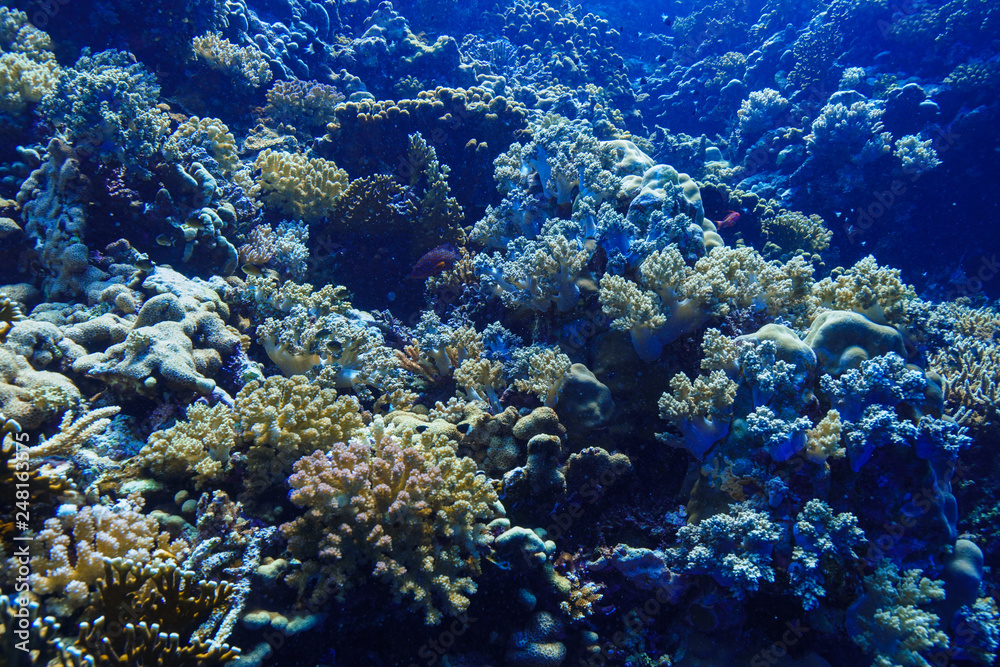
x: 499, y: 333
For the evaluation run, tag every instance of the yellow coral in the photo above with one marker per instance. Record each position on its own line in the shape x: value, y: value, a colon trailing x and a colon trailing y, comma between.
x: 399, y: 504
x: 482, y: 380
x: 28, y: 68
x: 823, y: 440
x: 246, y: 65
x: 699, y: 410
x: 789, y: 233
x: 287, y: 418
x: 298, y: 186
x: 210, y: 133
x: 971, y: 371
x: 199, y: 445
x: 547, y: 369
x: 867, y: 288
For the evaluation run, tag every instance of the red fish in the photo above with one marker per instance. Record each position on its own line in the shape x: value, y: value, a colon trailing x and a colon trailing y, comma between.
x: 732, y: 217
x: 435, y: 261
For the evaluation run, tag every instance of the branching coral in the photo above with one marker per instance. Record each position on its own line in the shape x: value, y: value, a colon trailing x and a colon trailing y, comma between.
x: 74, y: 433
x: 790, y: 233
x: 673, y: 299
x: 543, y: 371
x: 71, y: 548
x: 349, y: 349
x: 888, y: 621
x: 284, y: 419
x: 884, y: 380
x: 199, y: 445
x: 298, y: 186
x: 246, y: 66
x: 401, y: 506
x: 304, y: 103
x: 538, y: 275
x: 108, y: 104
x: 972, y: 389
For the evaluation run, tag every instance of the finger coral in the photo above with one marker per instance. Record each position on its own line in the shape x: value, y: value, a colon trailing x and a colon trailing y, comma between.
x: 284, y: 419
x: 298, y: 186
x: 400, y: 506
x: 71, y: 548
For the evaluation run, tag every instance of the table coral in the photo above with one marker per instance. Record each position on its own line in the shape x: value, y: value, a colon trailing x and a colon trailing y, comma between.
x: 401, y: 506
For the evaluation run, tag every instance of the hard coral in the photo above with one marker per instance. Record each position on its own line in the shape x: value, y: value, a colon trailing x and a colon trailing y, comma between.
x: 298, y: 186
x: 284, y: 419
x: 401, y: 506
x: 173, y: 340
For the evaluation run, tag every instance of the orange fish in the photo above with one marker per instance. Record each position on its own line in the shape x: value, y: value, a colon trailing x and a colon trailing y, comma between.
x: 732, y: 217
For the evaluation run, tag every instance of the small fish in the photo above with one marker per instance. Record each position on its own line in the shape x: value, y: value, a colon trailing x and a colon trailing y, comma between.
x: 732, y: 217
x: 435, y: 261
x: 251, y: 270
x: 144, y: 263
x: 164, y: 240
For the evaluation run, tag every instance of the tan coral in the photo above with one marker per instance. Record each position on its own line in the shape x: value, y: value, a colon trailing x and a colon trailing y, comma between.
x: 823, y: 440
x: 74, y: 433
x: 246, y: 65
x: 399, y: 505
x: 971, y: 371
x: 298, y: 186
x: 209, y: 133
x: 547, y: 370
x: 69, y: 552
x: 198, y: 446
x: 874, y: 291
x: 284, y: 419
